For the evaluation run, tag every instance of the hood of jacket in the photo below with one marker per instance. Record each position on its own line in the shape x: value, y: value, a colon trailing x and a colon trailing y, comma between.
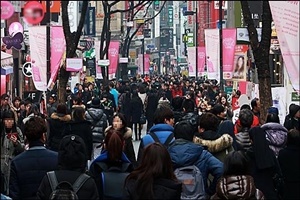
x: 61, y: 117
x: 276, y: 134
x: 184, y: 153
x: 95, y: 113
x: 126, y: 135
x: 217, y: 145
x: 236, y: 187
x: 161, y: 127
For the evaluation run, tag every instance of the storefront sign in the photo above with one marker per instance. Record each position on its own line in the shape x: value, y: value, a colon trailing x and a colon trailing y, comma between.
x: 27, y: 70
x: 295, y: 97
x: 15, y: 27
x: 14, y: 41
x: 34, y: 12
x: 7, y: 10
x: 74, y: 64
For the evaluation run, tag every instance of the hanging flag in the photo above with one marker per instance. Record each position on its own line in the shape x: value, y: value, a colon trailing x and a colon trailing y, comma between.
x: 113, y: 56
x: 229, y: 42
x: 212, y: 49
x: 286, y: 18
x: 37, y: 43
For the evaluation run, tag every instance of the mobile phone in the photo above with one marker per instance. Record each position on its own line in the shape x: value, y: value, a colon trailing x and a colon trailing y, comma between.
x: 9, y: 135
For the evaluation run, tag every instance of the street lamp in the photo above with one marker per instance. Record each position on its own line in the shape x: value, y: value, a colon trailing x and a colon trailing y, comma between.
x: 186, y: 13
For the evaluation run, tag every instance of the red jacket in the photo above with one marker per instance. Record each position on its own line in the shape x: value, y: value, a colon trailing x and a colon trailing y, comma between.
x: 237, y: 126
x: 177, y: 92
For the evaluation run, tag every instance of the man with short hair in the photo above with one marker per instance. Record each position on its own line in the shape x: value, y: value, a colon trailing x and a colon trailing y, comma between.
x: 255, y: 105
x: 162, y: 131
x: 51, y: 107
x: 184, y: 153
x: 29, y: 168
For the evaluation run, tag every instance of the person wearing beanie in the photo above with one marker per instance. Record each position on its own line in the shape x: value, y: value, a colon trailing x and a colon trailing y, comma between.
x: 29, y: 167
x: 72, y: 162
x: 292, y: 120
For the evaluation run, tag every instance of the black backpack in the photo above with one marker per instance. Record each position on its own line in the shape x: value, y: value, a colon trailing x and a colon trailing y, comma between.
x: 113, y: 180
x: 65, y: 190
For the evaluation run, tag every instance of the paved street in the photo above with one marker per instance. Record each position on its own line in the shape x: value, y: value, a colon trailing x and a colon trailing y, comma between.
x: 136, y: 144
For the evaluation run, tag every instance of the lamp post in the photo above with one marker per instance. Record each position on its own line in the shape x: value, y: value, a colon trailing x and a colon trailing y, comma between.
x: 196, y: 42
x: 221, y: 46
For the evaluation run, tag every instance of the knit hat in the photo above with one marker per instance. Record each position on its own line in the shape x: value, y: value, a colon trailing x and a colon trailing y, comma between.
x: 72, y: 153
x: 273, y: 110
x: 294, y: 109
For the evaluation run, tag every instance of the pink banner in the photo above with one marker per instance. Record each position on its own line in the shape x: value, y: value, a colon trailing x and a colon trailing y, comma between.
x: 201, y: 61
x: 240, y: 63
x: 58, y: 47
x: 192, y: 60
x: 229, y: 42
x: 212, y: 49
x: 286, y: 18
x: 113, y: 56
x: 146, y: 63
x: 37, y: 43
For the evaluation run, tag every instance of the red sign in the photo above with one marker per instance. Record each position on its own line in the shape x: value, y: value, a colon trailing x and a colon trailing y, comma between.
x: 54, y: 6
x: 34, y: 12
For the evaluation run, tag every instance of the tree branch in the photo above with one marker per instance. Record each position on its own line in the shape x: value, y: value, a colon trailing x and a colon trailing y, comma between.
x: 65, y: 21
x: 127, y: 10
x: 253, y: 36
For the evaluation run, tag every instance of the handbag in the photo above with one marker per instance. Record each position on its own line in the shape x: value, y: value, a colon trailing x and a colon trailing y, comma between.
x: 143, y: 119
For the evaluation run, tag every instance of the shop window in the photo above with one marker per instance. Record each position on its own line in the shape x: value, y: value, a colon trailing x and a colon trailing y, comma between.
x: 276, y: 69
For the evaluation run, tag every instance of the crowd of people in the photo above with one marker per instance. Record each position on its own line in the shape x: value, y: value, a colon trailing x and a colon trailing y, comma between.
x: 86, y: 143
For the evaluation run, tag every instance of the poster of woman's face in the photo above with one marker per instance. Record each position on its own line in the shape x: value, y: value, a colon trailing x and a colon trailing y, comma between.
x: 240, y: 67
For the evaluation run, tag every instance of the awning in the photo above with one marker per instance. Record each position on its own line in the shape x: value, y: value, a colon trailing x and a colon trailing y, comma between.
x: 7, y: 70
x: 6, y: 59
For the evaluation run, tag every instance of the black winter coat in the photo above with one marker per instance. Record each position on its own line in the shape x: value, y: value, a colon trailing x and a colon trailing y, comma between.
x: 87, y: 191
x: 289, y: 161
x: 83, y: 130
x: 56, y: 129
x: 136, y: 109
x: 162, y: 189
x: 28, y: 170
x: 99, y: 123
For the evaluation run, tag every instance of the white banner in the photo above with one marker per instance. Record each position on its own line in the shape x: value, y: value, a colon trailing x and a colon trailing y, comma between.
x: 176, y: 11
x: 212, y: 49
x: 192, y: 60
x: 73, y: 15
x: 286, y: 18
x: 37, y: 43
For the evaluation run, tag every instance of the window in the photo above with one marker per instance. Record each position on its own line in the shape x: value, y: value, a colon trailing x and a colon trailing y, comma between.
x: 276, y: 69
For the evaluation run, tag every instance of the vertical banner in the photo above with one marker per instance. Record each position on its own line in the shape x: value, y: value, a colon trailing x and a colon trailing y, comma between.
x: 190, y: 18
x: 147, y: 63
x: 97, y: 52
x: 240, y: 63
x: 176, y: 11
x: 229, y: 42
x: 113, y: 56
x: 201, y: 61
x: 90, y: 22
x: 37, y: 42
x: 73, y: 15
x: 58, y: 48
x: 192, y: 60
x: 286, y: 18
x: 140, y: 63
x: 212, y: 49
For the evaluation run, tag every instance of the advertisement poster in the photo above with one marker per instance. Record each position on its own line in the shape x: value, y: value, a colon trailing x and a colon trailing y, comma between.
x: 113, y: 56
x: 240, y: 63
x: 37, y: 42
x: 229, y: 43
x: 201, y: 61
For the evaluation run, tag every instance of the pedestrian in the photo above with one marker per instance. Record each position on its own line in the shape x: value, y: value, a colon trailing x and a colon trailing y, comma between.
x: 29, y: 168
x: 12, y: 143
x: 292, y: 120
x: 119, y: 124
x: 154, y: 178
x: 136, y: 110
x: 57, y: 125
x: 98, y: 118
x: 236, y: 181
x: 72, y: 162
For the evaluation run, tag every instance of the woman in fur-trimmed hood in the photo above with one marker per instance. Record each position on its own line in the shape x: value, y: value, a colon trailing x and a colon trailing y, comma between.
x: 216, y: 144
x: 56, y: 126
x: 119, y: 123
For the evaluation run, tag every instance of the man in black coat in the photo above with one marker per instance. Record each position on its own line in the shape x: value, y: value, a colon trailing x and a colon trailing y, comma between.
x: 29, y: 168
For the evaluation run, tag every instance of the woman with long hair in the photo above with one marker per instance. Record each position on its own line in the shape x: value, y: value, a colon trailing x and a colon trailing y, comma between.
x: 119, y: 124
x: 236, y: 182
x: 112, y: 157
x: 239, y: 67
x: 154, y: 178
